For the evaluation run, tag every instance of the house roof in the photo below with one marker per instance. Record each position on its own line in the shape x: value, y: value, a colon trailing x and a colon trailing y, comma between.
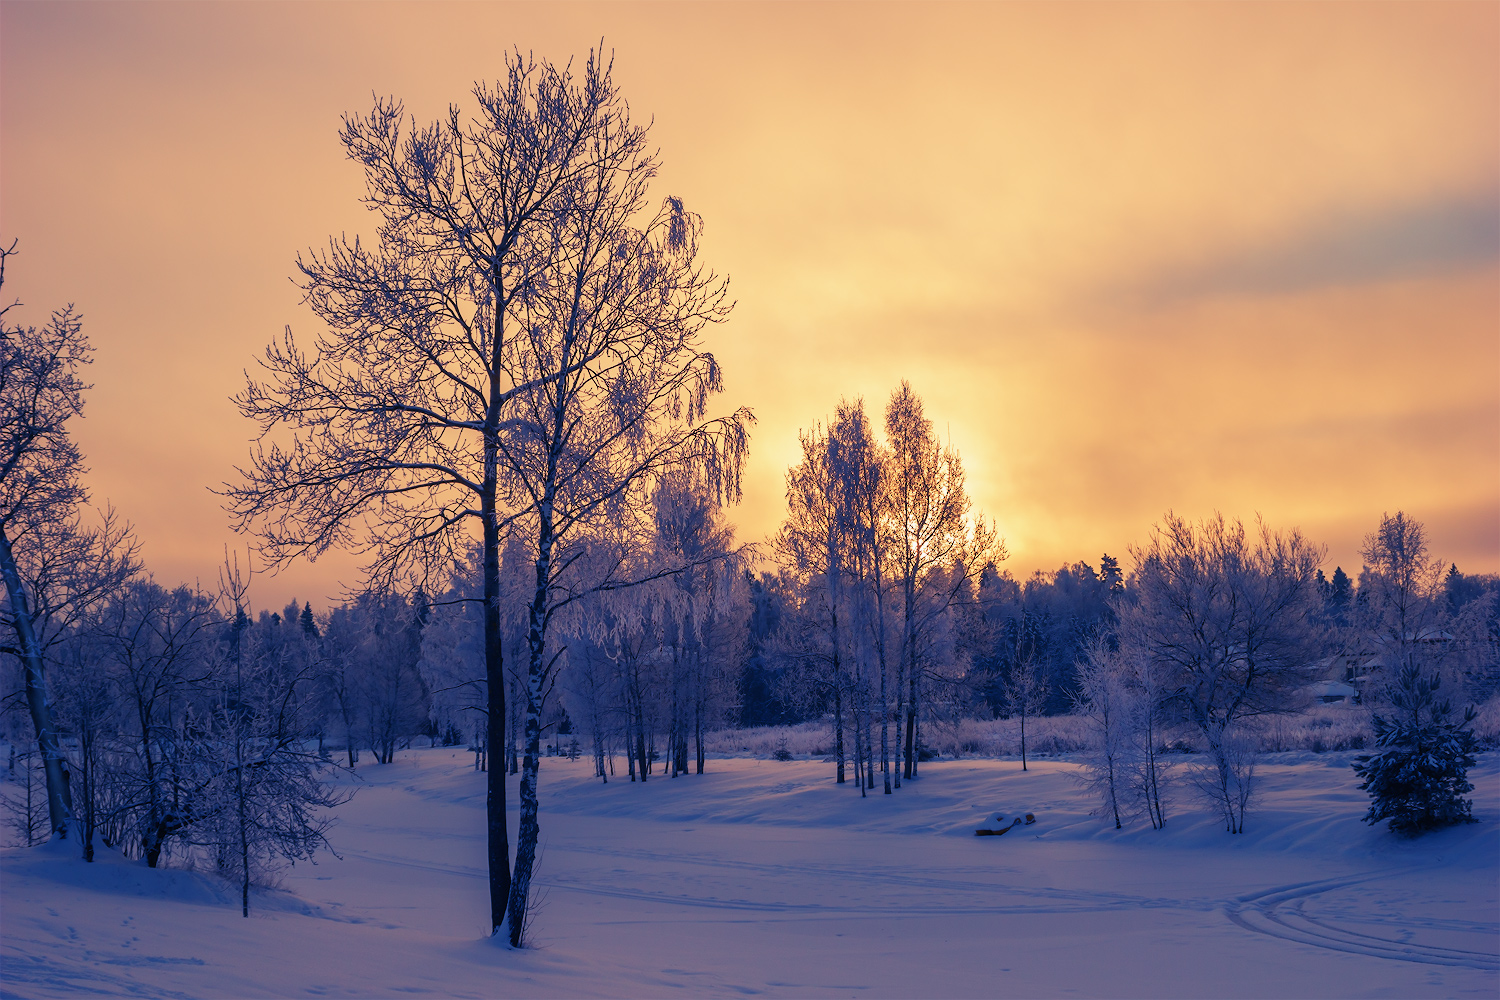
x: 1332, y: 689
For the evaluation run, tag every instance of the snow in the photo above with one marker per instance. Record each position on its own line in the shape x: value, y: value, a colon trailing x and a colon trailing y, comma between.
x: 763, y: 877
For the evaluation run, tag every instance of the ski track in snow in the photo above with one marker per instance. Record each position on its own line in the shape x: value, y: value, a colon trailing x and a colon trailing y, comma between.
x: 1277, y: 912
x: 1281, y: 912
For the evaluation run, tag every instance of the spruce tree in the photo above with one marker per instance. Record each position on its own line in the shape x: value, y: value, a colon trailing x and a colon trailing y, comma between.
x: 308, y: 623
x: 1418, y: 778
x: 1338, y: 597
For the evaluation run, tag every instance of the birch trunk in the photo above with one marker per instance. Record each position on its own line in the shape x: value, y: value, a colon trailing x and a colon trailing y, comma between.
x: 59, y: 797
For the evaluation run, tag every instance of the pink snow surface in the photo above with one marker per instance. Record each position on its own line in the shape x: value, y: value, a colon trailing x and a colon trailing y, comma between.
x: 763, y: 877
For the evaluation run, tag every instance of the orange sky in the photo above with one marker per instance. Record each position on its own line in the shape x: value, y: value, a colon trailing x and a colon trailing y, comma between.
x: 1214, y: 256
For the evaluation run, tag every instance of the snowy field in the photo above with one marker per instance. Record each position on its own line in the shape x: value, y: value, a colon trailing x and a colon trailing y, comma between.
x: 762, y: 877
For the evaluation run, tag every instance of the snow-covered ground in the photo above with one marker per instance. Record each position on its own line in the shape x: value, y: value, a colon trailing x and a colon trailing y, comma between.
x: 762, y: 877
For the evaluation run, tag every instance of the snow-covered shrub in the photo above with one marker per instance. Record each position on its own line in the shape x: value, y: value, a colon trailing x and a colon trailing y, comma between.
x: 1319, y: 728
x: 1123, y: 699
x: 24, y: 801
x: 1046, y: 736
x: 1418, y: 777
x: 1486, y: 727
x: 1226, y: 773
x: 1108, y: 704
x: 806, y: 739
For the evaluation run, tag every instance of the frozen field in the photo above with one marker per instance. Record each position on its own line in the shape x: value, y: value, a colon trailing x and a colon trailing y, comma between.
x: 762, y: 877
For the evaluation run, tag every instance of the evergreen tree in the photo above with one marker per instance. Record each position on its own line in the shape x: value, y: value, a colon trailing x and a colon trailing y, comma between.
x: 1460, y: 589
x: 1337, y: 597
x: 1110, y: 575
x: 1418, y: 779
x: 309, y: 625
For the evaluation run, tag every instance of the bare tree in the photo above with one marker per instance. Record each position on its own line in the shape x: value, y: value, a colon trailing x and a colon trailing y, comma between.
x: 53, y: 567
x: 257, y: 795
x: 403, y: 412
x: 452, y: 654
x: 392, y: 692
x: 156, y: 645
x: 1026, y: 688
x: 933, y: 530
x: 862, y: 469
x: 264, y: 796
x: 1149, y: 696
x: 1233, y: 623
x: 812, y: 543
x: 619, y: 389
x: 1105, y: 701
x: 340, y: 673
x: 88, y: 708
x: 625, y: 664
x: 1401, y: 611
x: 863, y: 520
x: 25, y: 799
x: 593, y: 691
x: 691, y: 534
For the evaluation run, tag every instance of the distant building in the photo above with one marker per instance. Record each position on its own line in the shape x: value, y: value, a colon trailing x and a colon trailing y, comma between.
x: 1334, y: 693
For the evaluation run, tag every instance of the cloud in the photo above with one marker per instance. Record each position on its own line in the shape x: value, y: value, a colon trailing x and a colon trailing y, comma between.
x: 1438, y: 237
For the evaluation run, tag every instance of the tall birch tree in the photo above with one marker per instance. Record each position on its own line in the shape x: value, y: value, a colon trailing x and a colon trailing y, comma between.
x: 933, y: 530
x: 392, y: 434
x: 618, y: 385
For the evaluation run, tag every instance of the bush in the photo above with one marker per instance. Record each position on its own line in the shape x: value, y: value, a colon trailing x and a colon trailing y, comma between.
x: 1418, y: 780
x: 1487, y: 724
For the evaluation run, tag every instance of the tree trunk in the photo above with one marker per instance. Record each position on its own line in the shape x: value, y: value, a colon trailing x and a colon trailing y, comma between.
x: 530, y: 826
x: 1153, y: 785
x: 636, y: 750
x: 885, y: 703
x: 698, y: 737
x: 239, y: 779
x: 861, y: 759
x: 87, y: 773
x: 599, y: 757
x: 909, y: 765
x: 1023, y: 739
x: 838, y: 731
x: 885, y: 719
x: 899, y: 716
x: 59, y: 797
x: 497, y: 835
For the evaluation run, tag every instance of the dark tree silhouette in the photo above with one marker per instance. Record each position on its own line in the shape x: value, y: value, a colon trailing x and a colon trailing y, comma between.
x: 507, y: 354
x: 400, y: 410
x: 53, y: 566
x: 616, y: 387
x: 1418, y: 778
